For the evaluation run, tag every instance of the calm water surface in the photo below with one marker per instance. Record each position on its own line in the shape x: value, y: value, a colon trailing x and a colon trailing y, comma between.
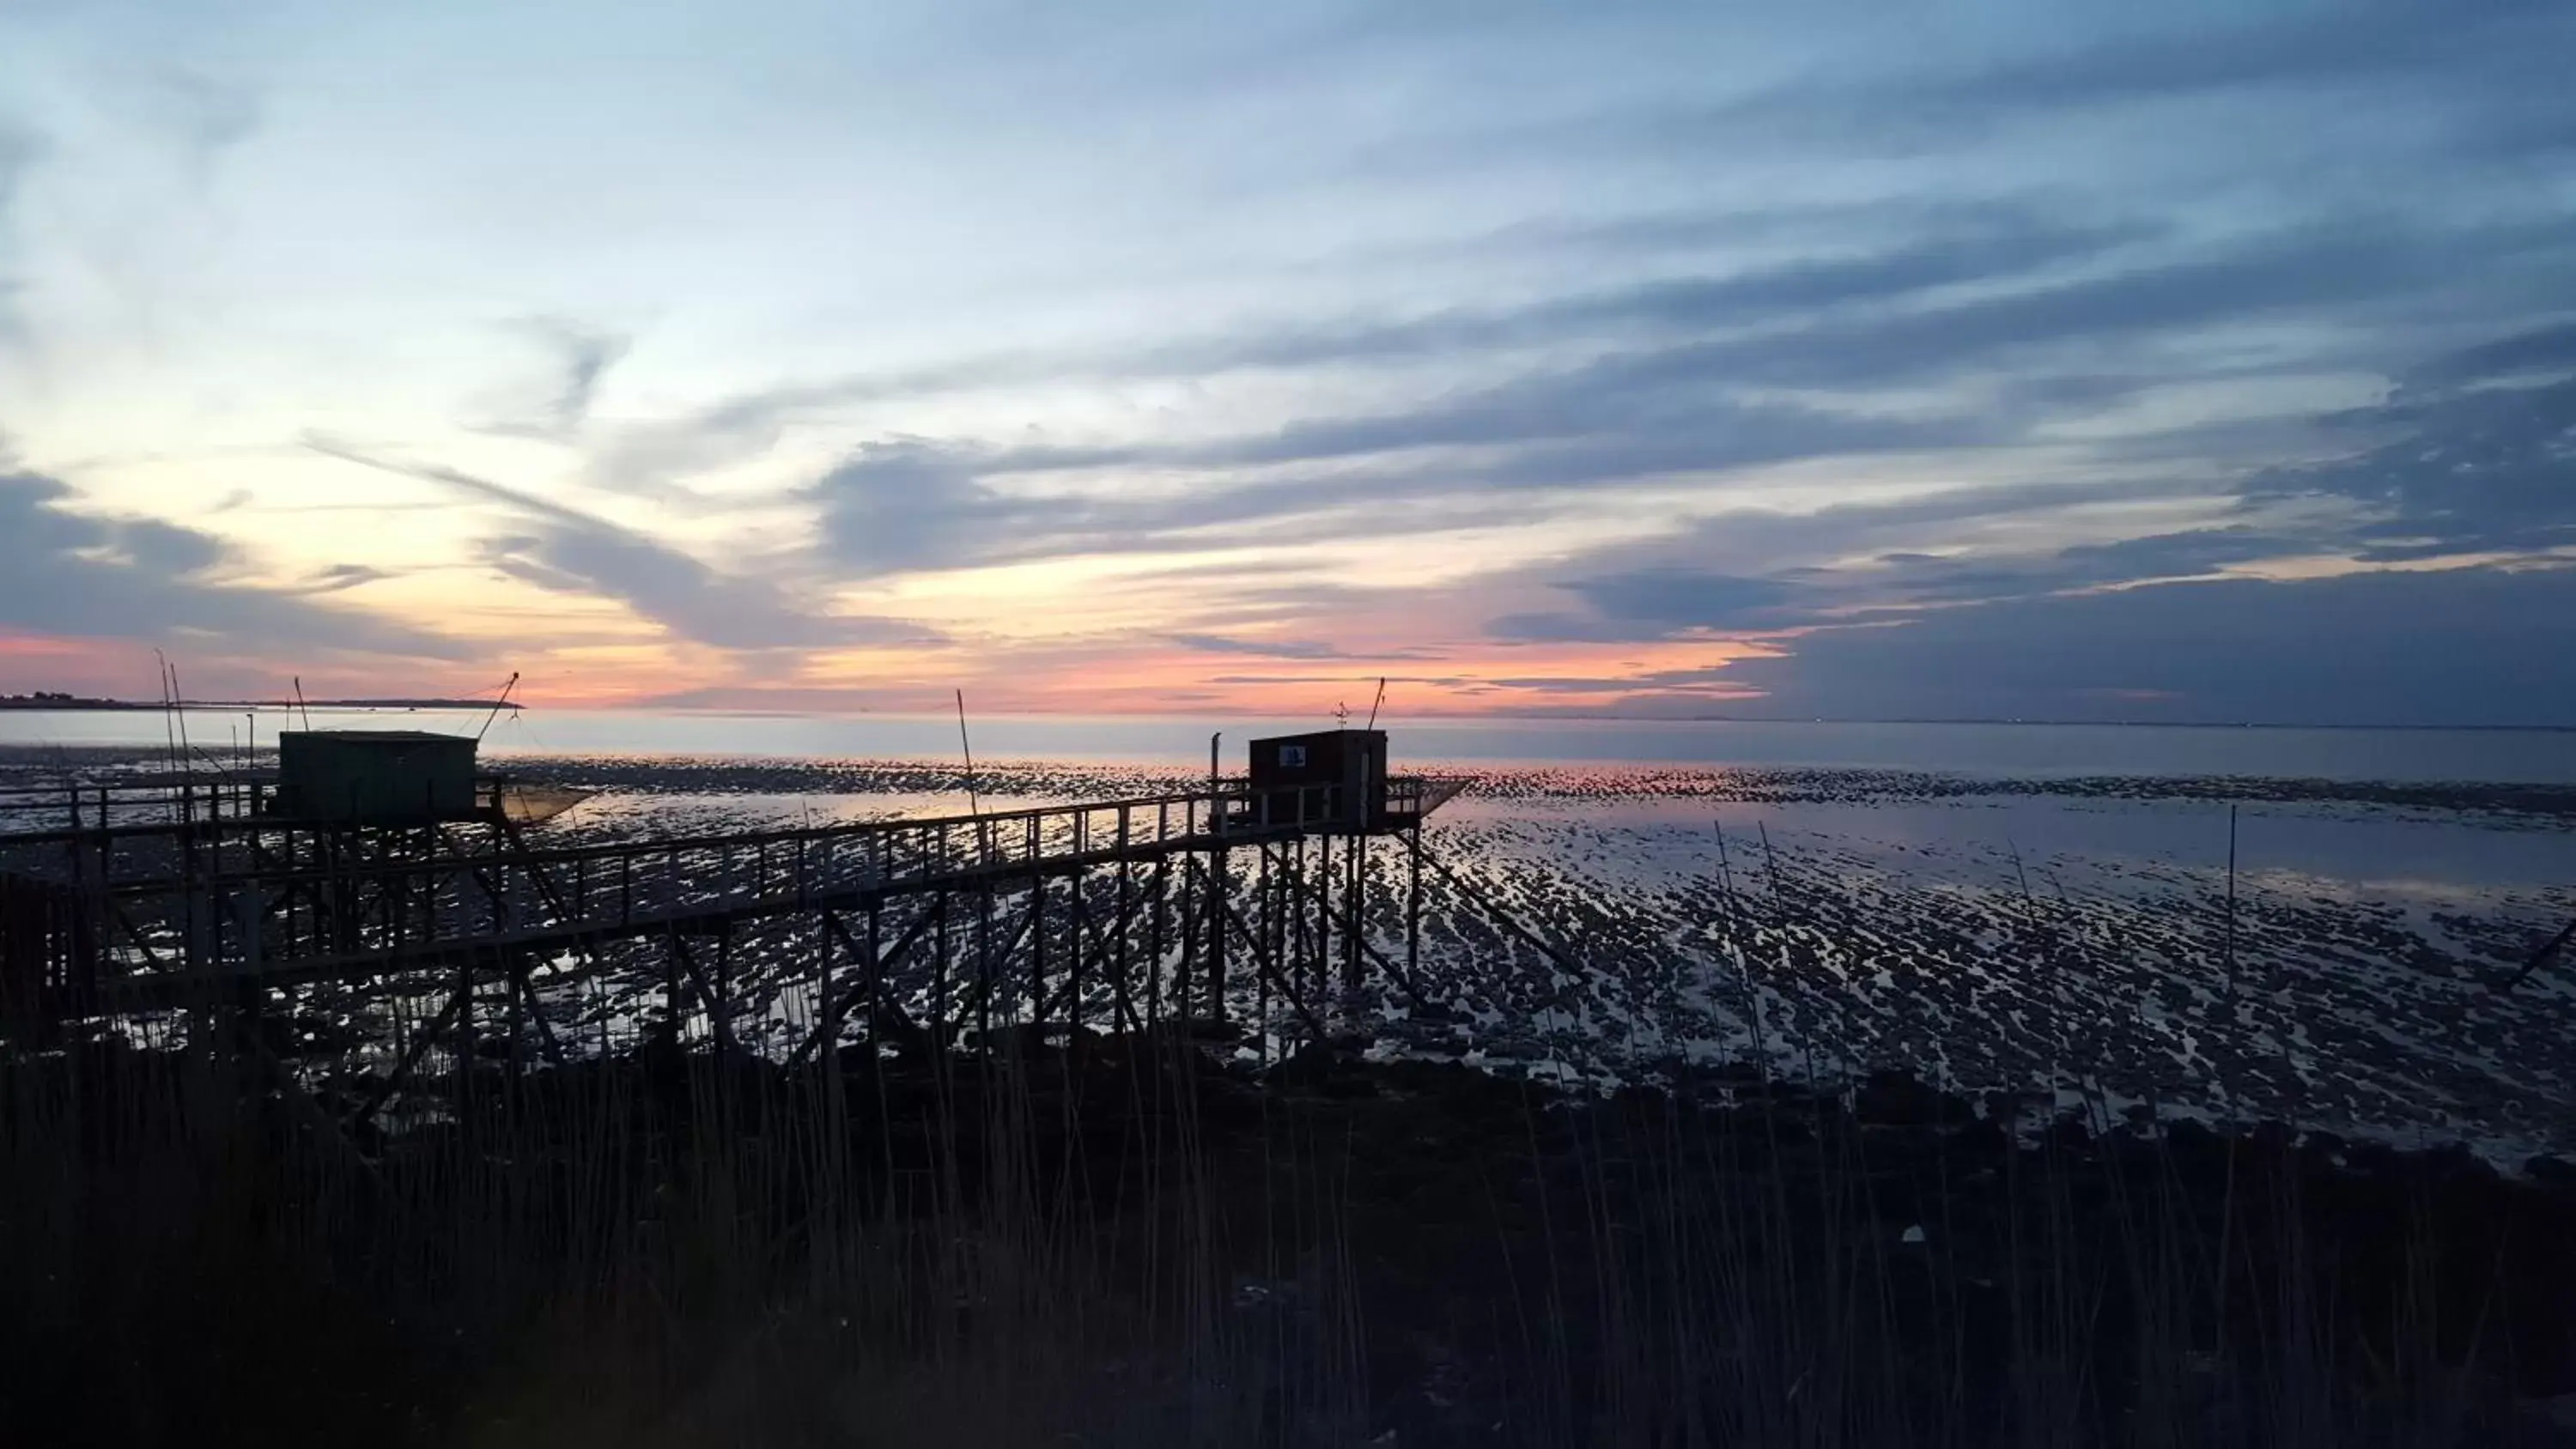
x: 2499, y: 756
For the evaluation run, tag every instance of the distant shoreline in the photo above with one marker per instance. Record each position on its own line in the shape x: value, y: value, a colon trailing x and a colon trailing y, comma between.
x: 41, y: 704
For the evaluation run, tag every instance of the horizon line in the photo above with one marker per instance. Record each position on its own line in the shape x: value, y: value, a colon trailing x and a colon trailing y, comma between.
x: 460, y: 704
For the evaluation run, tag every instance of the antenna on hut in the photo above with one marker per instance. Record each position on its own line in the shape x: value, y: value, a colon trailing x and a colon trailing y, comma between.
x: 972, y: 808
x: 299, y: 702
x: 1381, y: 699
x: 178, y: 707
x: 497, y: 703
x: 169, y: 739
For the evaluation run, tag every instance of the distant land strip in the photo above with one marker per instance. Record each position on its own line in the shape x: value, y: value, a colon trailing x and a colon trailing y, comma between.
x: 45, y: 700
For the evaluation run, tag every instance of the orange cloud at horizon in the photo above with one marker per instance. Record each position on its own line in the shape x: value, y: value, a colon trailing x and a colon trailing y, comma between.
x: 1129, y: 677
x: 1114, y: 676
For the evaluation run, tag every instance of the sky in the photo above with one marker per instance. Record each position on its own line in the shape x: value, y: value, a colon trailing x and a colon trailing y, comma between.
x: 2190, y: 362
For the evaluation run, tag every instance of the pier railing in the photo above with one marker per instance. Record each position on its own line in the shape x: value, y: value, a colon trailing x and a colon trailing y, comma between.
x: 243, y: 894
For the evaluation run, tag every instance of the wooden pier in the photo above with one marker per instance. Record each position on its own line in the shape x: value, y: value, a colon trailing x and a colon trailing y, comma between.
x: 152, y: 909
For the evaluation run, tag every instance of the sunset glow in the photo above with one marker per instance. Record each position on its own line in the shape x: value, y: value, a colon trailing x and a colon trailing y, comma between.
x: 784, y: 357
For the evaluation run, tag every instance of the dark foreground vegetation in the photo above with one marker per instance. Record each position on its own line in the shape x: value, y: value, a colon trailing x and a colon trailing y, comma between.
x: 1132, y: 1245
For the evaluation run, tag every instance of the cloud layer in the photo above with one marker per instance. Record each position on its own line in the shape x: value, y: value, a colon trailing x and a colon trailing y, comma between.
x: 84, y: 576
x: 1627, y: 358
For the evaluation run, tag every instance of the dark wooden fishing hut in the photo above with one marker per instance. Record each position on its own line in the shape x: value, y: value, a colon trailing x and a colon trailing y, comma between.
x: 375, y: 777
x: 1335, y: 778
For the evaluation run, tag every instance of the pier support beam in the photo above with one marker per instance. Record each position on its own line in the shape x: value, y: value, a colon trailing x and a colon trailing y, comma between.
x: 1217, y: 910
